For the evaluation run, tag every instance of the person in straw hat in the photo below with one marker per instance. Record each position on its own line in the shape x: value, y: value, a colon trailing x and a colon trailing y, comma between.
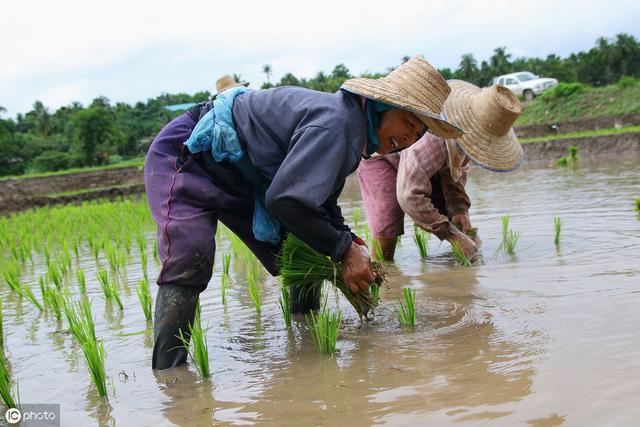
x: 227, y: 82
x: 269, y: 162
x: 427, y: 181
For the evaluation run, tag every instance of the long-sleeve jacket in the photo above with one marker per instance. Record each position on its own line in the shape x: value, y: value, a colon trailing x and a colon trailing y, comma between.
x: 306, y: 143
x: 416, y: 165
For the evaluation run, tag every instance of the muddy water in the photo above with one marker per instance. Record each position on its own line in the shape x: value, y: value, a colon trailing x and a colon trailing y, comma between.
x: 545, y: 338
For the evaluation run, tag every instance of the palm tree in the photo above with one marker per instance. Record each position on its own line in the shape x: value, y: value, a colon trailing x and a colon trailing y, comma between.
x: 237, y: 77
x: 468, y: 68
x: 266, y: 69
x: 500, y: 61
x: 42, y: 118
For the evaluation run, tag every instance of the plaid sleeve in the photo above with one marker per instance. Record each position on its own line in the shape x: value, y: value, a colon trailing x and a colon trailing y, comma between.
x: 417, y: 165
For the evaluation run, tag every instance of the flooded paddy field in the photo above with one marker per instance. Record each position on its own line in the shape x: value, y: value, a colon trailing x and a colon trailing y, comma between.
x: 546, y: 337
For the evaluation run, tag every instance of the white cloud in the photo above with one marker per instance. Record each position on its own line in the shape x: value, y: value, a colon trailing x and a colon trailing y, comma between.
x: 70, y: 50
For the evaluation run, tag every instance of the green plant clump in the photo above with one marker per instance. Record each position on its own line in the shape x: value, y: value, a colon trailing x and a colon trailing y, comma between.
x: 8, y: 390
x: 558, y: 226
x: 421, y: 240
x: 509, y: 238
x: 285, y: 305
x: 196, y: 344
x: 405, y: 310
x: 324, y: 328
x: 459, y: 256
x: 144, y: 296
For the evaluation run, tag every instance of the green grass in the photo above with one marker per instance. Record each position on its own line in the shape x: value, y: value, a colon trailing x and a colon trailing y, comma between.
x: 591, y: 103
x: 144, y: 296
x: 580, y: 134
x: 459, y: 256
x: 196, y: 344
x: 405, y: 310
x: 8, y: 390
x: 420, y: 238
x: 136, y: 162
x: 558, y: 226
x: 509, y: 239
x: 324, y: 328
x: 285, y: 305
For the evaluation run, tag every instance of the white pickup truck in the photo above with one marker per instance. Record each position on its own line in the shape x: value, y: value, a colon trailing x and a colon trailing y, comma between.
x: 525, y: 83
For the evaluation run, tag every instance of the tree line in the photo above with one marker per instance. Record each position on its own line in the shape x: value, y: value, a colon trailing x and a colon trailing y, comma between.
x: 104, y: 132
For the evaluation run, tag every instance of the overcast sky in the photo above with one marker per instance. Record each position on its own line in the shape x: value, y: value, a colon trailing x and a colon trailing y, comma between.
x: 66, y: 50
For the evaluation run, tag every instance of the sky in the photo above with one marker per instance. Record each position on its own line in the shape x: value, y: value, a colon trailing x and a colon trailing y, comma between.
x: 63, y: 51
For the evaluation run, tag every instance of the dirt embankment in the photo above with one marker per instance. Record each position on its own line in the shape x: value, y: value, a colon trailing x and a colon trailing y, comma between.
x: 21, y: 194
x: 578, y: 126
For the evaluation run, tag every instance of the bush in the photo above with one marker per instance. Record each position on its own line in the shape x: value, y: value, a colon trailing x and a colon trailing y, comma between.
x: 563, y: 90
x: 50, y: 161
x: 627, y: 81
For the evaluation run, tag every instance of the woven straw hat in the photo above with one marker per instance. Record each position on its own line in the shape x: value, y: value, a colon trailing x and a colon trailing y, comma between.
x: 487, y: 115
x: 227, y: 82
x: 414, y: 86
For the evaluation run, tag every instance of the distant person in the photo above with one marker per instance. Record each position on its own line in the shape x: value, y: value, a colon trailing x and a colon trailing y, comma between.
x: 268, y: 162
x: 427, y: 181
x: 227, y: 82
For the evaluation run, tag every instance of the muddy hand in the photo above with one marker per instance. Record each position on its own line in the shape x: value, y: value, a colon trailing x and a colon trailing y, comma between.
x: 356, y: 268
x: 468, y: 246
x: 462, y: 222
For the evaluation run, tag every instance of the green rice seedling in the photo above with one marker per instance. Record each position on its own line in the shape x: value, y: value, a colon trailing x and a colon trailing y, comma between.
x: 8, y: 390
x: 11, y: 275
x: 405, y: 310
x: 421, y: 240
x: 47, y: 255
x: 196, y: 344
x: 377, y: 250
x: 53, y: 274
x: 366, y: 232
x: 459, y: 256
x: 509, y: 238
x: 562, y: 161
x: 375, y: 292
x: 94, y: 356
x: 573, y: 153
x: 1, y: 327
x: 115, y: 292
x: 26, y: 292
x: 304, y: 267
x: 82, y: 281
x: 285, y: 305
x: 254, y: 292
x: 83, y: 308
x: 144, y: 261
x: 156, y: 257
x: 224, y: 285
x: 558, y: 225
x: 103, y: 279
x: 75, y: 323
x: 324, y: 328
x: 638, y: 204
x: 112, y: 256
x: 51, y: 298
x: 356, y: 218
x: 226, y: 262
x: 144, y: 296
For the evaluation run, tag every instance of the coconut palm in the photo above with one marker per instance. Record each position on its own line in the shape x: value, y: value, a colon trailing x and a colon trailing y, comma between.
x: 500, y: 61
x: 266, y: 69
x: 468, y: 68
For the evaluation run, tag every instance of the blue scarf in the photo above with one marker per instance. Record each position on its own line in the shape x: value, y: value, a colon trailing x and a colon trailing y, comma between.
x: 374, y: 110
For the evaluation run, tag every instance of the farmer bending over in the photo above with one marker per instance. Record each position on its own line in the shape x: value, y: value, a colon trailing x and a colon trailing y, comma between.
x: 428, y: 180
x: 268, y: 162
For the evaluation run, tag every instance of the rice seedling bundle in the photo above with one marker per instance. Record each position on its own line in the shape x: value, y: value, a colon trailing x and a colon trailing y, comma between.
x: 1, y: 327
x: 144, y: 296
x: 11, y: 275
x: 94, y: 356
x: 405, y: 311
x: 638, y: 204
x: 421, y: 240
x: 558, y: 226
x: 54, y: 275
x: 52, y: 298
x: 377, y: 250
x: 324, y: 328
x: 304, y: 267
x: 356, y: 218
x: 254, y: 292
x: 196, y: 344
x: 26, y: 292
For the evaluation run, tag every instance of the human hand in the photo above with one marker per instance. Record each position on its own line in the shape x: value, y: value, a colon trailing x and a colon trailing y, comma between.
x: 462, y: 222
x: 467, y: 245
x: 356, y: 268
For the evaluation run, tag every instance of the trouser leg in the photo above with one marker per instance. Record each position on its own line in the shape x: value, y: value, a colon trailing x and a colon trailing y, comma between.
x: 175, y: 311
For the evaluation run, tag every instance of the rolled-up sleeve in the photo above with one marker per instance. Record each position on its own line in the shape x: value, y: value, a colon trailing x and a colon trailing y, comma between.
x: 417, y: 165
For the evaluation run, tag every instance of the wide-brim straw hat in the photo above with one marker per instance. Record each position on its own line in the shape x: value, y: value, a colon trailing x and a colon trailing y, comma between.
x: 414, y: 86
x: 487, y: 116
x: 227, y: 82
